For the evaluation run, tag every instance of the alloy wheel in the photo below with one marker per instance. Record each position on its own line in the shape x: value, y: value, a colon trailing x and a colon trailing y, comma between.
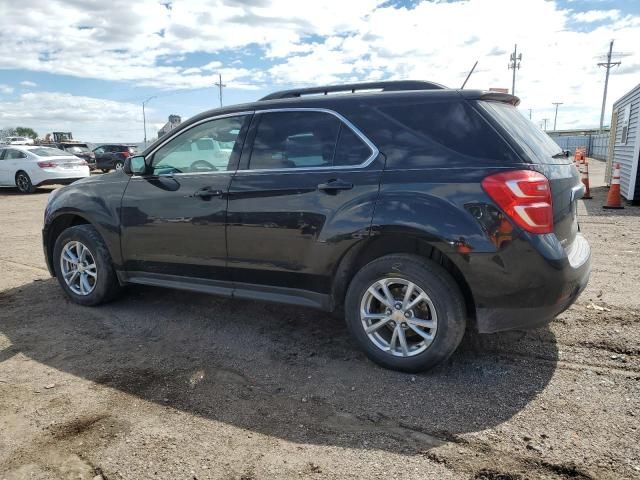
x: 22, y: 181
x: 398, y: 317
x: 78, y: 268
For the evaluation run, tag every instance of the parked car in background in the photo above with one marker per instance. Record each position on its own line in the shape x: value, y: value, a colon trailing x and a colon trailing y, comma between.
x: 78, y: 149
x: 18, y: 141
x: 418, y: 211
x: 28, y: 167
x: 112, y: 156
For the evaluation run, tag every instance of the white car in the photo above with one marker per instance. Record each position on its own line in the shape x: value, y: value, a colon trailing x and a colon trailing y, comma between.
x: 28, y: 167
x: 18, y: 141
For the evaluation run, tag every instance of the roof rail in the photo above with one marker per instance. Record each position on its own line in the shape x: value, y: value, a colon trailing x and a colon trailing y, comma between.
x: 390, y: 86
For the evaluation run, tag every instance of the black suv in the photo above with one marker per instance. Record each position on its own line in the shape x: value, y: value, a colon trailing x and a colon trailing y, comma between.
x: 113, y: 156
x: 416, y: 210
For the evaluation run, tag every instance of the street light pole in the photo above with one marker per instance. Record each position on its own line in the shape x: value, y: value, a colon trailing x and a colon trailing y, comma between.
x: 555, y: 119
x: 144, y: 119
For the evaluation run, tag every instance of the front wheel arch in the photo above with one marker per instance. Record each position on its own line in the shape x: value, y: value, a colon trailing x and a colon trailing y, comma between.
x: 57, y: 226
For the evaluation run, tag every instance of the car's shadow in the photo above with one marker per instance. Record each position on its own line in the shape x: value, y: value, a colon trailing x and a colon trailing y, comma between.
x: 14, y: 192
x: 280, y: 371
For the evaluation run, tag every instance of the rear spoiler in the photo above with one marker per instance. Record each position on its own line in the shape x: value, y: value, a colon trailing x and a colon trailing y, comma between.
x: 500, y: 97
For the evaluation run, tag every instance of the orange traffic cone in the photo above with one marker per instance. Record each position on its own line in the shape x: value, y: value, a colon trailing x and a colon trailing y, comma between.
x: 585, y: 181
x: 614, y: 200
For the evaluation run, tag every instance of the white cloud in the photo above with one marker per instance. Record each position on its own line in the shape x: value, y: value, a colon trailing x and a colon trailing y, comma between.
x: 146, y: 44
x: 6, y: 89
x: 596, y: 15
x: 90, y: 119
x: 27, y: 83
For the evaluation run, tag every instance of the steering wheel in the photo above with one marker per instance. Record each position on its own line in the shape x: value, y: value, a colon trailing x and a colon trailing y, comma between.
x: 202, y: 165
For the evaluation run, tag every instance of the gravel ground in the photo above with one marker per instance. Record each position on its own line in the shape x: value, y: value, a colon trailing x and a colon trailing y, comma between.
x: 175, y: 385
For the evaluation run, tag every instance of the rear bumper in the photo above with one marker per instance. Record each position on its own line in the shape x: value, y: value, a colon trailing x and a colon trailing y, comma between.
x: 58, y: 181
x: 526, y: 287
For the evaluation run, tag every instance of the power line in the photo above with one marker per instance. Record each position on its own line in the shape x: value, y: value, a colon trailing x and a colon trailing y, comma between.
x: 607, y: 65
x: 514, y: 63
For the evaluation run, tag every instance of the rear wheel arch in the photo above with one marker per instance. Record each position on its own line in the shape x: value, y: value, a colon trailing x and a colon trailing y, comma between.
x: 388, y: 244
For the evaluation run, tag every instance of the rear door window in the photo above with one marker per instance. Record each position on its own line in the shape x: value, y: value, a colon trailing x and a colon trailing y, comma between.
x: 12, y: 154
x: 351, y: 149
x: 294, y: 140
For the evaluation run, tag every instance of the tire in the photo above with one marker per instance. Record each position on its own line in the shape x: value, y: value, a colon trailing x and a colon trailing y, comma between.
x: 443, y: 298
x: 105, y: 170
x: 23, y: 182
x: 104, y: 285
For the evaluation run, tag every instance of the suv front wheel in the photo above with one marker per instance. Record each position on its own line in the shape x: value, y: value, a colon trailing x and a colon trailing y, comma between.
x: 405, y: 312
x: 83, y: 266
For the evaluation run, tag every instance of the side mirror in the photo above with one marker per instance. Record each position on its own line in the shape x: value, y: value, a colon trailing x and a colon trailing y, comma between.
x: 135, y: 165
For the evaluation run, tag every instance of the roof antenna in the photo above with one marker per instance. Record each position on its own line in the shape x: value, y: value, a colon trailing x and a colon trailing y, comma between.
x: 467, y: 79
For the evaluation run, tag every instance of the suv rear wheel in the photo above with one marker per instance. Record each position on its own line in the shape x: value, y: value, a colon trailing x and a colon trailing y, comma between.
x: 406, y: 312
x: 83, y: 266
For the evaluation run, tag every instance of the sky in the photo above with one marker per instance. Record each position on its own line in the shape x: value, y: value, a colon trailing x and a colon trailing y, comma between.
x: 86, y: 66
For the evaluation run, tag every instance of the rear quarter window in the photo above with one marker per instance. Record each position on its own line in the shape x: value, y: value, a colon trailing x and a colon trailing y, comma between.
x: 444, y: 129
x: 533, y: 142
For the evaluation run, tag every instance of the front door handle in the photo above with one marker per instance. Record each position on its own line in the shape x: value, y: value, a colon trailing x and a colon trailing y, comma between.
x: 208, y: 192
x: 335, y: 185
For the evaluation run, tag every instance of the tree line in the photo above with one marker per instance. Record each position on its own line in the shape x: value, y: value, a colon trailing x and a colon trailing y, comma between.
x: 18, y: 132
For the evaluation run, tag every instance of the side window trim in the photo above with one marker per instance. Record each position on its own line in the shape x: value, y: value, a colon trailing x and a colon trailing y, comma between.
x: 249, y: 114
x: 246, y: 154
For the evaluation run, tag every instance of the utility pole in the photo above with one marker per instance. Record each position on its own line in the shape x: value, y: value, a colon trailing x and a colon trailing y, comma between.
x: 144, y: 119
x: 530, y: 110
x: 545, y: 120
x: 555, y: 119
x: 607, y: 65
x: 220, y: 86
x: 514, y: 63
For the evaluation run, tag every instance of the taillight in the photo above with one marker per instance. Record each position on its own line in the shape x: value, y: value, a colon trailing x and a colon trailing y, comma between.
x: 125, y: 154
x: 47, y: 164
x: 525, y: 196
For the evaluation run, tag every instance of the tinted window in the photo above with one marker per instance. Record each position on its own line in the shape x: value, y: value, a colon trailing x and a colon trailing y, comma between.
x: 76, y: 148
x: 294, y: 140
x: 454, y: 125
x: 537, y: 145
x: 350, y: 150
x: 48, y: 152
x: 14, y: 154
x: 205, y: 147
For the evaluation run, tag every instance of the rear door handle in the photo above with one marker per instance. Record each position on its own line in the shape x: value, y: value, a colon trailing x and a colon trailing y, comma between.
x: 208, y: 192
x: 335, y: 185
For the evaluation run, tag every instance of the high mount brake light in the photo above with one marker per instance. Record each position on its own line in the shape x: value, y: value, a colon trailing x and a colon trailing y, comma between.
x: 525, y: 196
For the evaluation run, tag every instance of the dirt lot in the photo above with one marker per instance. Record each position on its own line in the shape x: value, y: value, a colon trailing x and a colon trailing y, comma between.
x: 174, y: 385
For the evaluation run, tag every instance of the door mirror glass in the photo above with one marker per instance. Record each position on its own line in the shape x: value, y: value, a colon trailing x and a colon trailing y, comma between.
x: 135, y: 165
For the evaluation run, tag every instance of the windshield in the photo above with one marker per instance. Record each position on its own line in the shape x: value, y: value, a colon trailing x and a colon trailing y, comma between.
x: 48, y: 152
x: 537, y: 144
x: 76, y: 148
